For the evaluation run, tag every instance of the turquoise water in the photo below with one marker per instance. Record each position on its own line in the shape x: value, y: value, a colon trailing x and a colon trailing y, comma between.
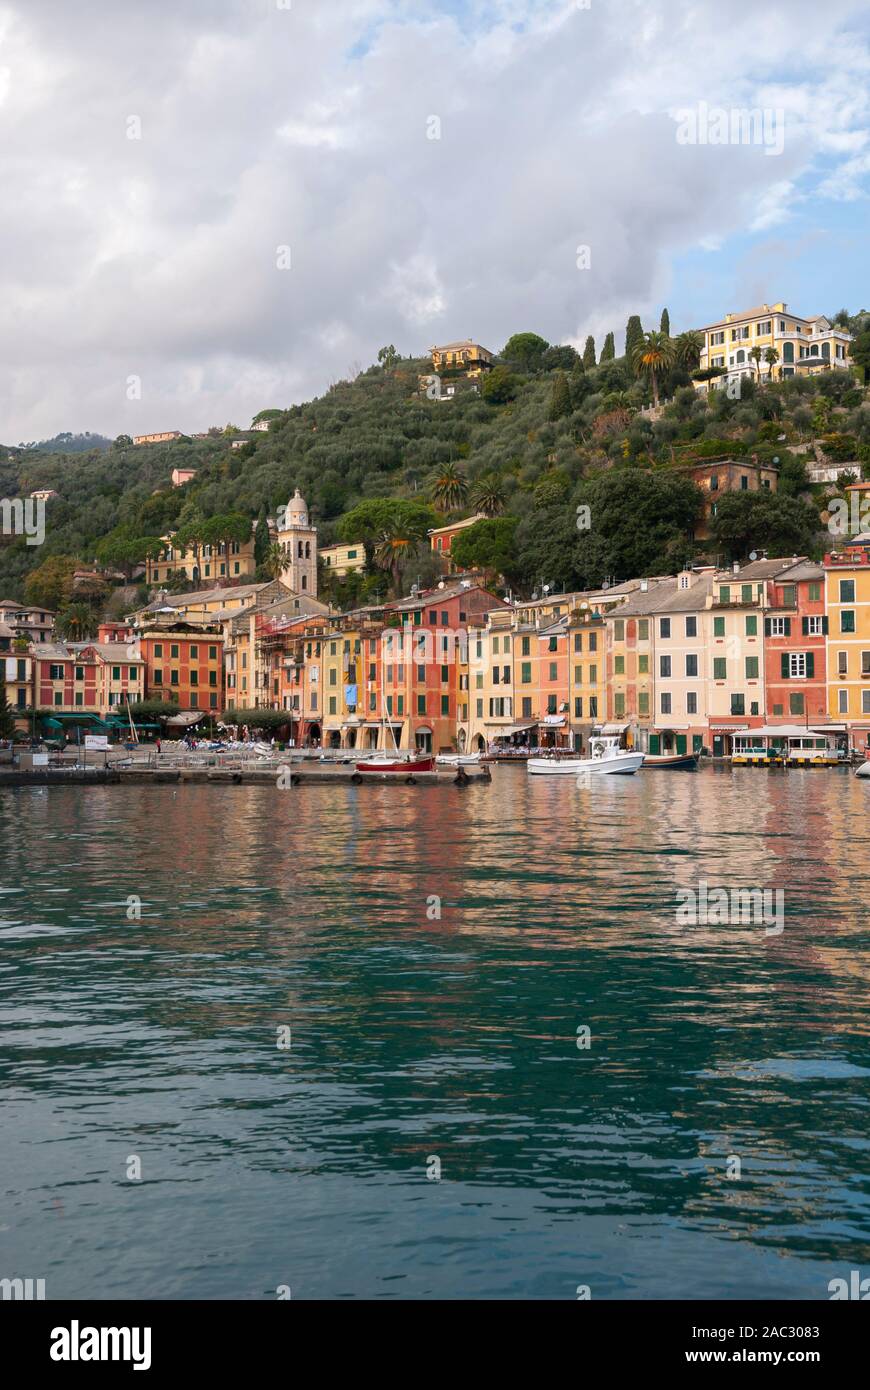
x: 415, y: 1039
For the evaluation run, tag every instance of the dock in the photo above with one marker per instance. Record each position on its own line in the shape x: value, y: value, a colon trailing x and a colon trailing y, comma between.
x: 297, y: 773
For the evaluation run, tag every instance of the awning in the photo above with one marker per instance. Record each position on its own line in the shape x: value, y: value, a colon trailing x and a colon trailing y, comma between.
x: 554, y: 721
x: 730, y: 729
x: 782, y: 731
x: 184, y: 721
x: 614, y: 729
x: 515, y: 729
x: 52, y: 723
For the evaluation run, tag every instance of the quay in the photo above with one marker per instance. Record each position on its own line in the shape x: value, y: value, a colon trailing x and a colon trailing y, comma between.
x: 243, y: 773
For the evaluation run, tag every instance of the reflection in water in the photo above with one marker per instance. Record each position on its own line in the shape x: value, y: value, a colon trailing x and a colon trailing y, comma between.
x: 454, y: 1037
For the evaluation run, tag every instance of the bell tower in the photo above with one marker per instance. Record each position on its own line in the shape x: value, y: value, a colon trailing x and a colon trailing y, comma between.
x: 298, y: 540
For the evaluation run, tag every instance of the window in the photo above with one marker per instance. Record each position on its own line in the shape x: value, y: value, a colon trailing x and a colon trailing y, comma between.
x: 796, y: 703
x: 593, y: 641
x: 664, y: 666
x: 158, y: 649
x: 865, y: 701
x: 194, y: 653
x: 847, y: 620
x: 664, y: 627
x: 400, y: 704
x: 578, y: 707
x: 691, y: 627
x: 593, y: 706
x: 58, y: 697
x: 554, y: 671
x: 814, y: 627
x: 666, y: 704
x: 751, y: 665
x: 619, y: 630
x: 578, y: 641
x: 643, y: 629
x: 495, y: 646
x: 788, y: 595
x: 778, y: 627
x: 173, y: 678
x: 116, y: 673
x: 527, y: 707
x: 751, y: 625
x: 55, y: 673
x: 212, y: 654
x: 815, y: 593
x: 553, y: 644
x: 738, y: 704
x: 619, y: 665
x: 158, y: 676
x: 618, y: 705
x: 847, y: 591
x: 725, y: 593
x: 720, y: 668
x: 745, y: 593
x: 80, y: 672
x: 691, y: 702
x: 593, y: 675
x: 551, y: 704
x: 643, y: 702
x: 718, y: 627
x: 643, y: 664
x: 194, y: 678
x: 842, y: 702
x: 479, y: 706
x: 80, y: 699
x: 691, y: 664
x: 714, y: 477
x: 173, y: 652
x: 842, y: 663
x: 525, y: 646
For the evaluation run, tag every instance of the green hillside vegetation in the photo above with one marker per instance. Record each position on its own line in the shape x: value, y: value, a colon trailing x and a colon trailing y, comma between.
x: 380, y: 463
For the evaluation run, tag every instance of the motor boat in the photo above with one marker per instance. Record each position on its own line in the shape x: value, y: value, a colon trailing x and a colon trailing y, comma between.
x: 458, y: 759
x: 605, y: 756
x: 675, y: 761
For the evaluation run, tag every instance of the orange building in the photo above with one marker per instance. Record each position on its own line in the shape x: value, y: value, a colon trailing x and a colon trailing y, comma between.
x: 184, y: 664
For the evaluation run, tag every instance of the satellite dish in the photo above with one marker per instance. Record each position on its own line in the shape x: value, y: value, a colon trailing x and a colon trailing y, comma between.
x: 753, y: 554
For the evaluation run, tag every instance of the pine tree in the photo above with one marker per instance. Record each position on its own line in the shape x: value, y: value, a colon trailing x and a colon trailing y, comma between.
x: 7, y: 718
x: 608, y: 352
x: 589, y: 352
x: 261, y: 538
x: 665, y: 325
x: 633, y: 335
x: 560, y: 397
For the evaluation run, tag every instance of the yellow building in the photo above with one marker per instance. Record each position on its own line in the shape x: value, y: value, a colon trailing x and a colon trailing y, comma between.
x: 465, y: 356
x: 803, y: 346
x: 343, y: 559
x: 202, y: 562
x: 847, y: 605
x: 587, y: 673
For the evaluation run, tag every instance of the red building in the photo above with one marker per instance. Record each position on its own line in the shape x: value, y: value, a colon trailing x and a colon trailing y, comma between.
x: 795, y: 629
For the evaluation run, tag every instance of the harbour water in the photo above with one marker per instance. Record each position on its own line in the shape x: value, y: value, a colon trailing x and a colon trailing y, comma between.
x: 433, y: 954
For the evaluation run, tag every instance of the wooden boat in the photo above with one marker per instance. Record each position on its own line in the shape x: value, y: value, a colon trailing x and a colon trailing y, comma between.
x: 606, y: 756
x: 675, y: 761
x: 388, y: 762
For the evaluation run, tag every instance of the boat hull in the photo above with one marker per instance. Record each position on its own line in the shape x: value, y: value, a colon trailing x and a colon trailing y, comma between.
x: 674, y: 761
x: 458, y: 759
x: 397, y: 765
x: 624, y: 764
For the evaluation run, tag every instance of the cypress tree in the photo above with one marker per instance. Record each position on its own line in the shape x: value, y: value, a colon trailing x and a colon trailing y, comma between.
x: 589, y: 352
x: 608, y: 352
x: 633, y: 334
x: 560, y: 397
x: 261, y: 537
x: 665, y: 325
x: 7, y: 719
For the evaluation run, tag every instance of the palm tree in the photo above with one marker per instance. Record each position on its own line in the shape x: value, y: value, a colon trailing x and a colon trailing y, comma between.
x: 756, y: 355
x: 77, y: 622
x: 450, y: 488
x: 488, y: 497
x: 652, y: 357
x: 771, y: 357
x: 687, y: 349
x: 275, y: 560
x: 396, y: 542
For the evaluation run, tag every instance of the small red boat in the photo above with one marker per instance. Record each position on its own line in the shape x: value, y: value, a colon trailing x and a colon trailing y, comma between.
x: 388, y: 764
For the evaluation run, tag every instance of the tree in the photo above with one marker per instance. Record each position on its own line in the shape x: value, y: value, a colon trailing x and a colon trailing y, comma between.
x: 488, y: 497
x: 687, y: 349
x: 224, y: 530
x: 388, y: 357
x: 608, y: 352
x: 665, y: 323
x: 633, y: 335
x: 7, y: 718
x: 747, y: 521
x: 261, y: 537
x: 652, y: 358
x: 860, y: 354
x: 450, y: 488
x: 525, y: 352
x: 499, y: 386
x: 270, y: 414
x: 77, y: 622
x: 560, y: 397
x: 396, y: 542
x: 274, y: 560
x: 589, y: 352
x: 123, y: 550
x: 488, y: 545
x: 771, y: 357
x: 49, y: 586
x: 563, y: 358
x: 123, y: 441
x: 756, y: 354
x: 371, y: 520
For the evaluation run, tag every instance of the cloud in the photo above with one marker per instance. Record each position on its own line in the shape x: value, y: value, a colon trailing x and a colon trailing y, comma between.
x: 432, y: 171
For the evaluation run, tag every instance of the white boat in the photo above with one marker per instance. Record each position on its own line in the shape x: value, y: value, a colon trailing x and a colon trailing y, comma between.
x: 863, y: 769
x: 605, y: 756
x: 458, y: 759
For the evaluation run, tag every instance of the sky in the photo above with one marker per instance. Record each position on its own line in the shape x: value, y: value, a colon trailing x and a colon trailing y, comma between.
x: 214, y: 208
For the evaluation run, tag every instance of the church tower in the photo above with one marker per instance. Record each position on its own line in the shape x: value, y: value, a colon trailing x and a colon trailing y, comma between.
x: 298, y: 540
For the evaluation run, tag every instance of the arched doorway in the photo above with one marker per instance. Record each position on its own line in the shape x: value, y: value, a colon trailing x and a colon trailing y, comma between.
x: 351, y: 738
x: 481, y: 743
x: 423, y: 739
x: 313, y: 739
x: 334, y: 738
x: 788, y: 352
x: 371, y: 738
x: 461, y: 740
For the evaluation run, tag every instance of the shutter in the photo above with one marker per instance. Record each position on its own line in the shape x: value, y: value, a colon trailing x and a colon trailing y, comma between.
x: 787, y: 622
x: 825, y: 626
x: 805, y: 626
x: 783, y: 665
x: 811, y: 663
x: 767, y: 627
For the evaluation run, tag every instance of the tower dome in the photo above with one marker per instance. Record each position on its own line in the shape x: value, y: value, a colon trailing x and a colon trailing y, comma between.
x: 297, y: 510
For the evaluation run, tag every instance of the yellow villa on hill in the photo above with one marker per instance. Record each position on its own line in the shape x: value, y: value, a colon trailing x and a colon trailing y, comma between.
x: 803, y: 346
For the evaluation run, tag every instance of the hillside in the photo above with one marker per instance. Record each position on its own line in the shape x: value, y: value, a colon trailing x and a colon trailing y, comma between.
x: 547, y: 436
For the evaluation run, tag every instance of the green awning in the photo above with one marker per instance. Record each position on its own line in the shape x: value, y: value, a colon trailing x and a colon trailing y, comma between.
x: 51, y: 723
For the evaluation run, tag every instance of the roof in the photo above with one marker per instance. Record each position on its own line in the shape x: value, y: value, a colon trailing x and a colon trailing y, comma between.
x: 51, y: 651
x: 456, y: 525
x: 460, y: 343
x: 804, y: 569
x: 435, y: 596
x: 759, y: 312
x: 204, y: 596
x: 109, y: 651
x: 758, y: 569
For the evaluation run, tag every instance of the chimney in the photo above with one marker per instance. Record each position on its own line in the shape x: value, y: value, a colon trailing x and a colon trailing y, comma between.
x: 644, y: 585
x: 736, y: 567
